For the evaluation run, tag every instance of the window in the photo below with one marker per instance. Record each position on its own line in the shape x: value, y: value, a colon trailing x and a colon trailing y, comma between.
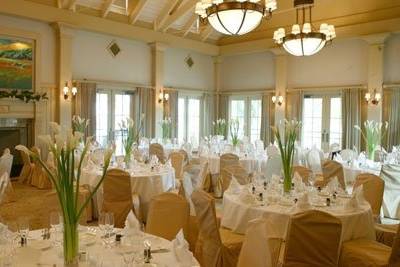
x: 247, y: 110
x: 112, y: 106
x: 322, y: 121
x: 189, y: 119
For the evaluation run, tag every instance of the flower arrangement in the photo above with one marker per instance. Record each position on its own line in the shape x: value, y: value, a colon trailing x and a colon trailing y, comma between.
x: 132, y: 135
x: 79, y: 124
x: 286, y: 144
x: 219, y: 127
x: 234, y: 130
x: 66, y: 181
x: 166, y: 125
x: 372, y: 134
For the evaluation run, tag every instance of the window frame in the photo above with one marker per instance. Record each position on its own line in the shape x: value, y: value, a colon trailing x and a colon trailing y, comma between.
x: 186, y: 97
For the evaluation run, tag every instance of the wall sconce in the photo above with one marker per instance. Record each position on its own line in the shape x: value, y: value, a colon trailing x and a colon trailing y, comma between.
x: 163, y: 97
x: 374, y: 98
x: 277, y: 99
x: 66, y: 89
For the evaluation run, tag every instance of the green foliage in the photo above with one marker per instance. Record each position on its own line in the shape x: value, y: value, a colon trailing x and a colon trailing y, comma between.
x: 26, y: 96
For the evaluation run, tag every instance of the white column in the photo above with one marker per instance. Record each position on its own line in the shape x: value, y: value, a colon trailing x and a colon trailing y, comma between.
x: 65, y: 35
x: 280, y: 84
x: 375, y: 72
x: 157, y: 52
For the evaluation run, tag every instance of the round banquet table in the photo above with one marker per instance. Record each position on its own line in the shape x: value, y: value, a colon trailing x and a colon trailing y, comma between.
x: 40, y: 252
x: 145, y: 182
x: 350, y: 172
x: 249, y: 163
x: 236, y: 215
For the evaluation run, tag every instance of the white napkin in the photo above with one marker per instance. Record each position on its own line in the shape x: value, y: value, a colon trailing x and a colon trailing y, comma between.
x: 234, y: 187
x: 299, y: 186
x: 356, y: 199
x: 333, y: 185
x: 303, y: 203
x: 246, y: 196
x: 181, y: 251
x: 131, y: 223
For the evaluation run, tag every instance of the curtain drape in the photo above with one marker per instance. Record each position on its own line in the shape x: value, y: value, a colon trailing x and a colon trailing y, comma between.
x: 223, y: 108
x: 85, y: 105
x: 207, y: 109
x: 145, y: 104
x: 171, y: 110
x: 351, y: 115
x: 294, y: 107
x: 267, y: 118
x: 391, y: 114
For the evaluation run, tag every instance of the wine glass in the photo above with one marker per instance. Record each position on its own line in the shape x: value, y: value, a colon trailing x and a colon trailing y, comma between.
x: 109, y: 223
x: 23, y: 227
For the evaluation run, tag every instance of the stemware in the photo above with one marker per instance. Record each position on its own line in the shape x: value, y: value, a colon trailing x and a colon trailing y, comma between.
x: 23, y: 227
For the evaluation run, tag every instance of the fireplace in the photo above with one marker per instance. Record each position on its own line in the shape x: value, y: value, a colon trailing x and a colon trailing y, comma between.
x: 14, y: 132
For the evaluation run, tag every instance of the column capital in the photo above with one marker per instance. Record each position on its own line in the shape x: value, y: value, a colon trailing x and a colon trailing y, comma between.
x: 158, y: 46
x: 375, y: 39
x: 218, y: 59
x: 64, y: 29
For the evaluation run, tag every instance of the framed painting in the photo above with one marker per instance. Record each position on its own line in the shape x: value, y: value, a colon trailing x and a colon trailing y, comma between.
x: 16, y: 63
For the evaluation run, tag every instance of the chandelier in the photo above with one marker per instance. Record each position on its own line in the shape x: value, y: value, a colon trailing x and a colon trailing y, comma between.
x: 305, y: 40
x: 234, y: 17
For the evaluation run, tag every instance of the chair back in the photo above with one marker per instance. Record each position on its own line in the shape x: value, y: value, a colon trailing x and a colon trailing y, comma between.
x: 304, y: 172
x: 211, y: 248
x: 117, y: 195
x: 4, y: 180
x: 236, y: 171
x: 348, y: 154
x: 205, y: 179
x: 314, y: 160
x: 177, y: 160
x: 158, y: 150
x: 185, y: 156
x: 228, y: 159
x: 273, y: 166
x: 390, y: 173
x: 373, y: 187
x: 187, y: 192
x: 313, y: 239
x: 168, y: 214
x: 331, y: 169
x: 394, y: 259
x: 6, y: 161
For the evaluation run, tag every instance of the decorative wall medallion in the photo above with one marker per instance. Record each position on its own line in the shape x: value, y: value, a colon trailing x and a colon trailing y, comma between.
x: 189, y: 61
x: 114, y: 48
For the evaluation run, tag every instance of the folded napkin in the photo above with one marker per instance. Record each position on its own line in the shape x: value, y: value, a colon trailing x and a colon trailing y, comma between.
x: 234, y: 187
x: 299, y: 186
x: 333, y: 185
x: 132, y: 224
x: 303, y: 202
x: 246, y: 196
x: 357, y: 199
x: 181, y: 251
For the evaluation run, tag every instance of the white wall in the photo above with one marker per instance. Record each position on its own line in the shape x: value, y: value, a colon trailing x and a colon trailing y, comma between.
x: 48, y: 44
x: 178, y: 75
x: 392, y: 60
x: 91, y: 59
x: 249, y: 71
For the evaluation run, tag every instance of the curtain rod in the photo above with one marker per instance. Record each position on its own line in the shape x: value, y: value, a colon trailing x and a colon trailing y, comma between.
x: 391, y: 85
x: 250, y: 91
x: 118, y: 83
x: 177, y: 88
x: 328, y: 88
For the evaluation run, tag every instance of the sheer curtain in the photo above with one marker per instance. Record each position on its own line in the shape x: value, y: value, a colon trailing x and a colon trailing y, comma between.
x: 391, y: 114
x: 145, y: 104
x: 207, y: 110
x: 351, y: 115
x: 267, y: 118
x: 85, y: 104
x: 171, y: 110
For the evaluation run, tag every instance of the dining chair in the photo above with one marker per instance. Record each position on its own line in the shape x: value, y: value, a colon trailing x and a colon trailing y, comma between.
x: 373, y: 187
x: 366, y: 252
x: 26, y: 171
x: 177, y: 162
x: 304, y: 172
x: 168, y: 214
x: 390, y: 173
x: 157, y: 150
x: 348, y: 154
x: 6, y: 161
x: 228, y: 159
x: 314, y: 160
x: 216, y: 246
x: 40, y: 178
x: 236, y: 171
x: 7, y: 193
x: 331, y: 169
x: 118, y: 197
x: 313, y: 239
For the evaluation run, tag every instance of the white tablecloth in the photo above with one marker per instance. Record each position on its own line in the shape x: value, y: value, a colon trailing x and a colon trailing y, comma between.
x: 250, y: 163
x: 351, y: 172
x: 31, y: 256
x: 144, y: 182
x: 236, y: 215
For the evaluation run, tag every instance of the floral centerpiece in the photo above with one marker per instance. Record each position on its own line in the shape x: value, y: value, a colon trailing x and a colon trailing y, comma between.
x: 286, y: 144
x: 372, y: 134
x: 234, y: 130
x: 166, y: 126
x: 66, y: 181
x: 219, y: 127
x: 80, y: 125
x: 130, y: 135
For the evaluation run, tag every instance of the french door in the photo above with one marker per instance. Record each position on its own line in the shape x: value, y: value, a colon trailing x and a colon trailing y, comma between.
x: 189, y: 108
x: 112, y: 106
x: 322, y: 121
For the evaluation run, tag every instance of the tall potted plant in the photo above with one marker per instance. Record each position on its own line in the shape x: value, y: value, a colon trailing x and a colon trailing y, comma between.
x: 286, y: 144
x: 234, y: 131
x: 130, y: 135
x: 66, y: 181
x: 166, y: 126
x: 372, y: 134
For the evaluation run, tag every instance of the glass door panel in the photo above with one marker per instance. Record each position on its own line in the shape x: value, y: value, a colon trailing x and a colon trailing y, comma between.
x: 312, y: 122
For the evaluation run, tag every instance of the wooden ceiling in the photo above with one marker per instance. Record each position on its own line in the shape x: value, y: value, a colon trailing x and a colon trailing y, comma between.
x: 177, y: 18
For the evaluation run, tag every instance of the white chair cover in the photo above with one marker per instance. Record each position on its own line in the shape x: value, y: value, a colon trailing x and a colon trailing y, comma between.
x: 274, y: 166
x: 390, y: 174
x: 6, y: 161
x: 348, y: 154
x: 314, y: 159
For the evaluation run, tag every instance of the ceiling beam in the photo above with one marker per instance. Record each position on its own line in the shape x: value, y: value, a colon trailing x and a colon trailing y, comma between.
x: 160, y: 20
x: 51, y: 14
x: 188, y: 25
x: 206, y: 32
x: 106, y: 8
x: 72, y: 5
x: 134, y: 15
x: 187, y: 7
